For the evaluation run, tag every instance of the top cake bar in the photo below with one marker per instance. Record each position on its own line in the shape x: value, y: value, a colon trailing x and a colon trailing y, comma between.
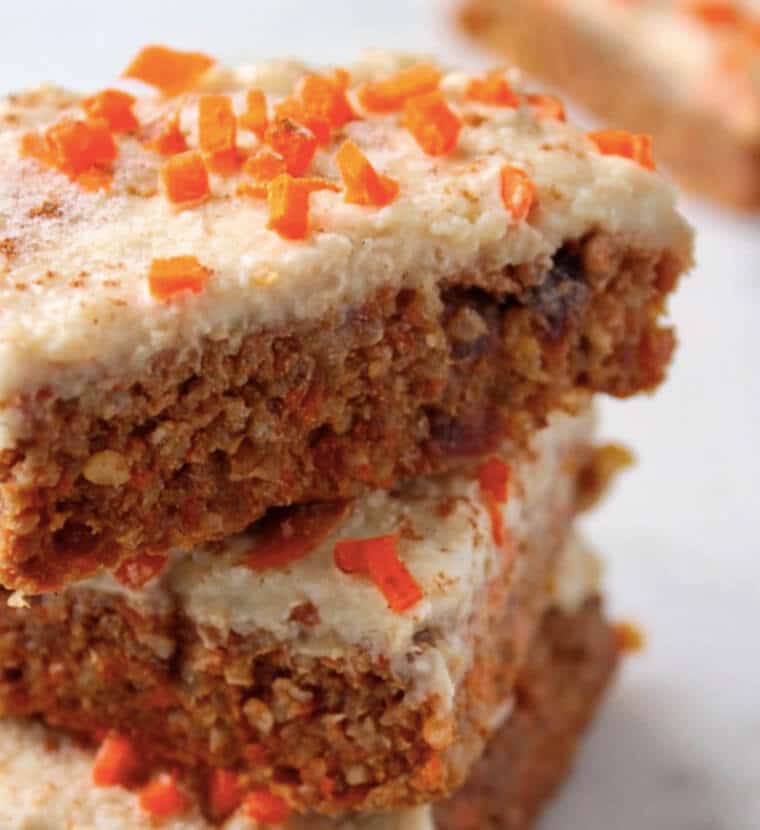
x: 253, y: 287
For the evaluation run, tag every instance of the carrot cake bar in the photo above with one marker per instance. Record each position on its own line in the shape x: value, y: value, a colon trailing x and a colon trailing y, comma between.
x: 351, y: 656
x: 46, y: 781
x: 690, y: 70
x: 261, y: 287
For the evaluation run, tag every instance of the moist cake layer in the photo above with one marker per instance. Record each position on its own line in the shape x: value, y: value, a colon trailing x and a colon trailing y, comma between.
x: 353, y: 700
x: 46, y: 781
x: 522, y: 269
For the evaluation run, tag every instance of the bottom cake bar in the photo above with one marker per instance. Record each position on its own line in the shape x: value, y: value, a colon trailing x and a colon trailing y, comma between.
x: 46, y: 780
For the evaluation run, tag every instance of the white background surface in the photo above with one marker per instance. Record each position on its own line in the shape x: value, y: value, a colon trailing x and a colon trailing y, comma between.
x: 678, y: 744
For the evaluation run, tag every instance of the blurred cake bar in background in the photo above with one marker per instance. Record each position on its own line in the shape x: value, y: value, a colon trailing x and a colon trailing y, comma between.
x: 281, y: 287
x: 686, y: 71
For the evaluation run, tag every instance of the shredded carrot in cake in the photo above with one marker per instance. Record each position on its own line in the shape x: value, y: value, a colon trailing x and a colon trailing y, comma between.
x: 256, y: 116
x: 265, y: 806
x: 379, y: 560
x: 546, y: 106
x: 217, y: 132
x: 138, y: 572
x: 364, y: 185
x: 284, y: 537
x: 433, y: 124
x: 116, y: 762
x: 171, y: 276
x: 493, y: 477
x: 225, y: 793
x: 518, y: 192
x: 263, y: 167
x: 170, y: 139
x: 170, y: 71
x: 115, y: 107
x: 390, y: 94
x: 296, y: 144
x: 493, y: 89
x: 162, y: 797
x: 633, y: 146
x: 185, y: 179
x: 289, y: 204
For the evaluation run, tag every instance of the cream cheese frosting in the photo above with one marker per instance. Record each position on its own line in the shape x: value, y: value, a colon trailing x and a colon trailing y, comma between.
x: 75, y: 307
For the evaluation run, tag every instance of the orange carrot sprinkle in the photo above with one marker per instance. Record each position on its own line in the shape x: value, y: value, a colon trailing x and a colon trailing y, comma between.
x: 168, y: 277
x: 116, y: 762
x: 225, y: 794
x: 289, y: 204
x: 518, y: 192
x: 76, y: 146
x: 36, y: 146
x: 217, y: 131
x: 296, y: 144
x: 547, y: 106
x: 162, y: 798
x: 493, y: 477
x: 390, y: 94
x: 286, y: 536
x: 293, y: 109
x: 170, y: 140
x: 717, y: 13
x: 185, y: 179
x: 432, y: 123
x: 326, y: 98
x: 136, y: 573
x: 265, y: 806
x: 342, y: 77
x: 378, y: 559
x: 493, y: 89
x: 263, y: 167
x: 115, y: 107
x: 633, y: 146
x: 364, y: 185
x: 629, y: 636
x: 169, y: 70
x: 256, y: 117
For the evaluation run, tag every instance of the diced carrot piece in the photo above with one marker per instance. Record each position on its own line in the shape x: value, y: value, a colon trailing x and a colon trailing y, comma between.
x: 170, y: 276
x: 170, y: 140
x: 79, y: 145
x: 286, y: 536
x: 494, y: 90
x: 289, y: 204
x: 293, y: 109
x: 217, y: 132
x: 390, y: 94
x: 185, y: 179
x: 116, y: 762
x: 432, y: 123
x: 633, y: 146
x: 265, y: 806
x: 547, y: 106
x: 136, y: 573
x: 94, y: 179
x: 36, y: 146
x: 225, y: 793
x: 169, y: 70
x: 115, y: 107
x: 263, y: 168
x: 378, y: 559
x: 294, y: 143
x: 162, y: 797
x: 364, y: 185
x: 326, y: 98
x: 493, y: 477
x: 518, y: 192
x: 256, y: 116
x: 716, y: 13
x: 342, y: 77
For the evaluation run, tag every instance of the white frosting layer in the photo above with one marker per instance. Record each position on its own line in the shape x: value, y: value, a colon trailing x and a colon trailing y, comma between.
x: 74, y: 301
x: 685, y: 56
x: 451, y: 555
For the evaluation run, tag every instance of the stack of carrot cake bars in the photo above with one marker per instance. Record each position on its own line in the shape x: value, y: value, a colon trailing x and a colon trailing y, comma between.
x: 295, y: 383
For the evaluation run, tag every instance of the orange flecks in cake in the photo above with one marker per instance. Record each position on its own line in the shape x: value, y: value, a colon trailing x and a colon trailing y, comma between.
x: 263, y: 167
x: 546, y: 106
x: 185, y: 179
x: 289, y: 204
x: 225, y: 794
x: 171, y: 276
x: 633, y: 146
x: 169, y: 70
x: 116, y: 762
x: 518, y: 192
x: 493, y: 477
x: 629, y: 636
x: 256, y: 116
x: 267, y: 807
x: 137, y: 572
x: 115, y: 107
x: 286, y: 537
x: 379, y: 560
x: 493, y: 90
x: 718, y: 13
x: 364, y: 185
x: 217, y: 132
x: 433, y: 124
x: 162, y: 797
x: 170, y: 139
x: 390, y: 94
x: 296, y: 144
